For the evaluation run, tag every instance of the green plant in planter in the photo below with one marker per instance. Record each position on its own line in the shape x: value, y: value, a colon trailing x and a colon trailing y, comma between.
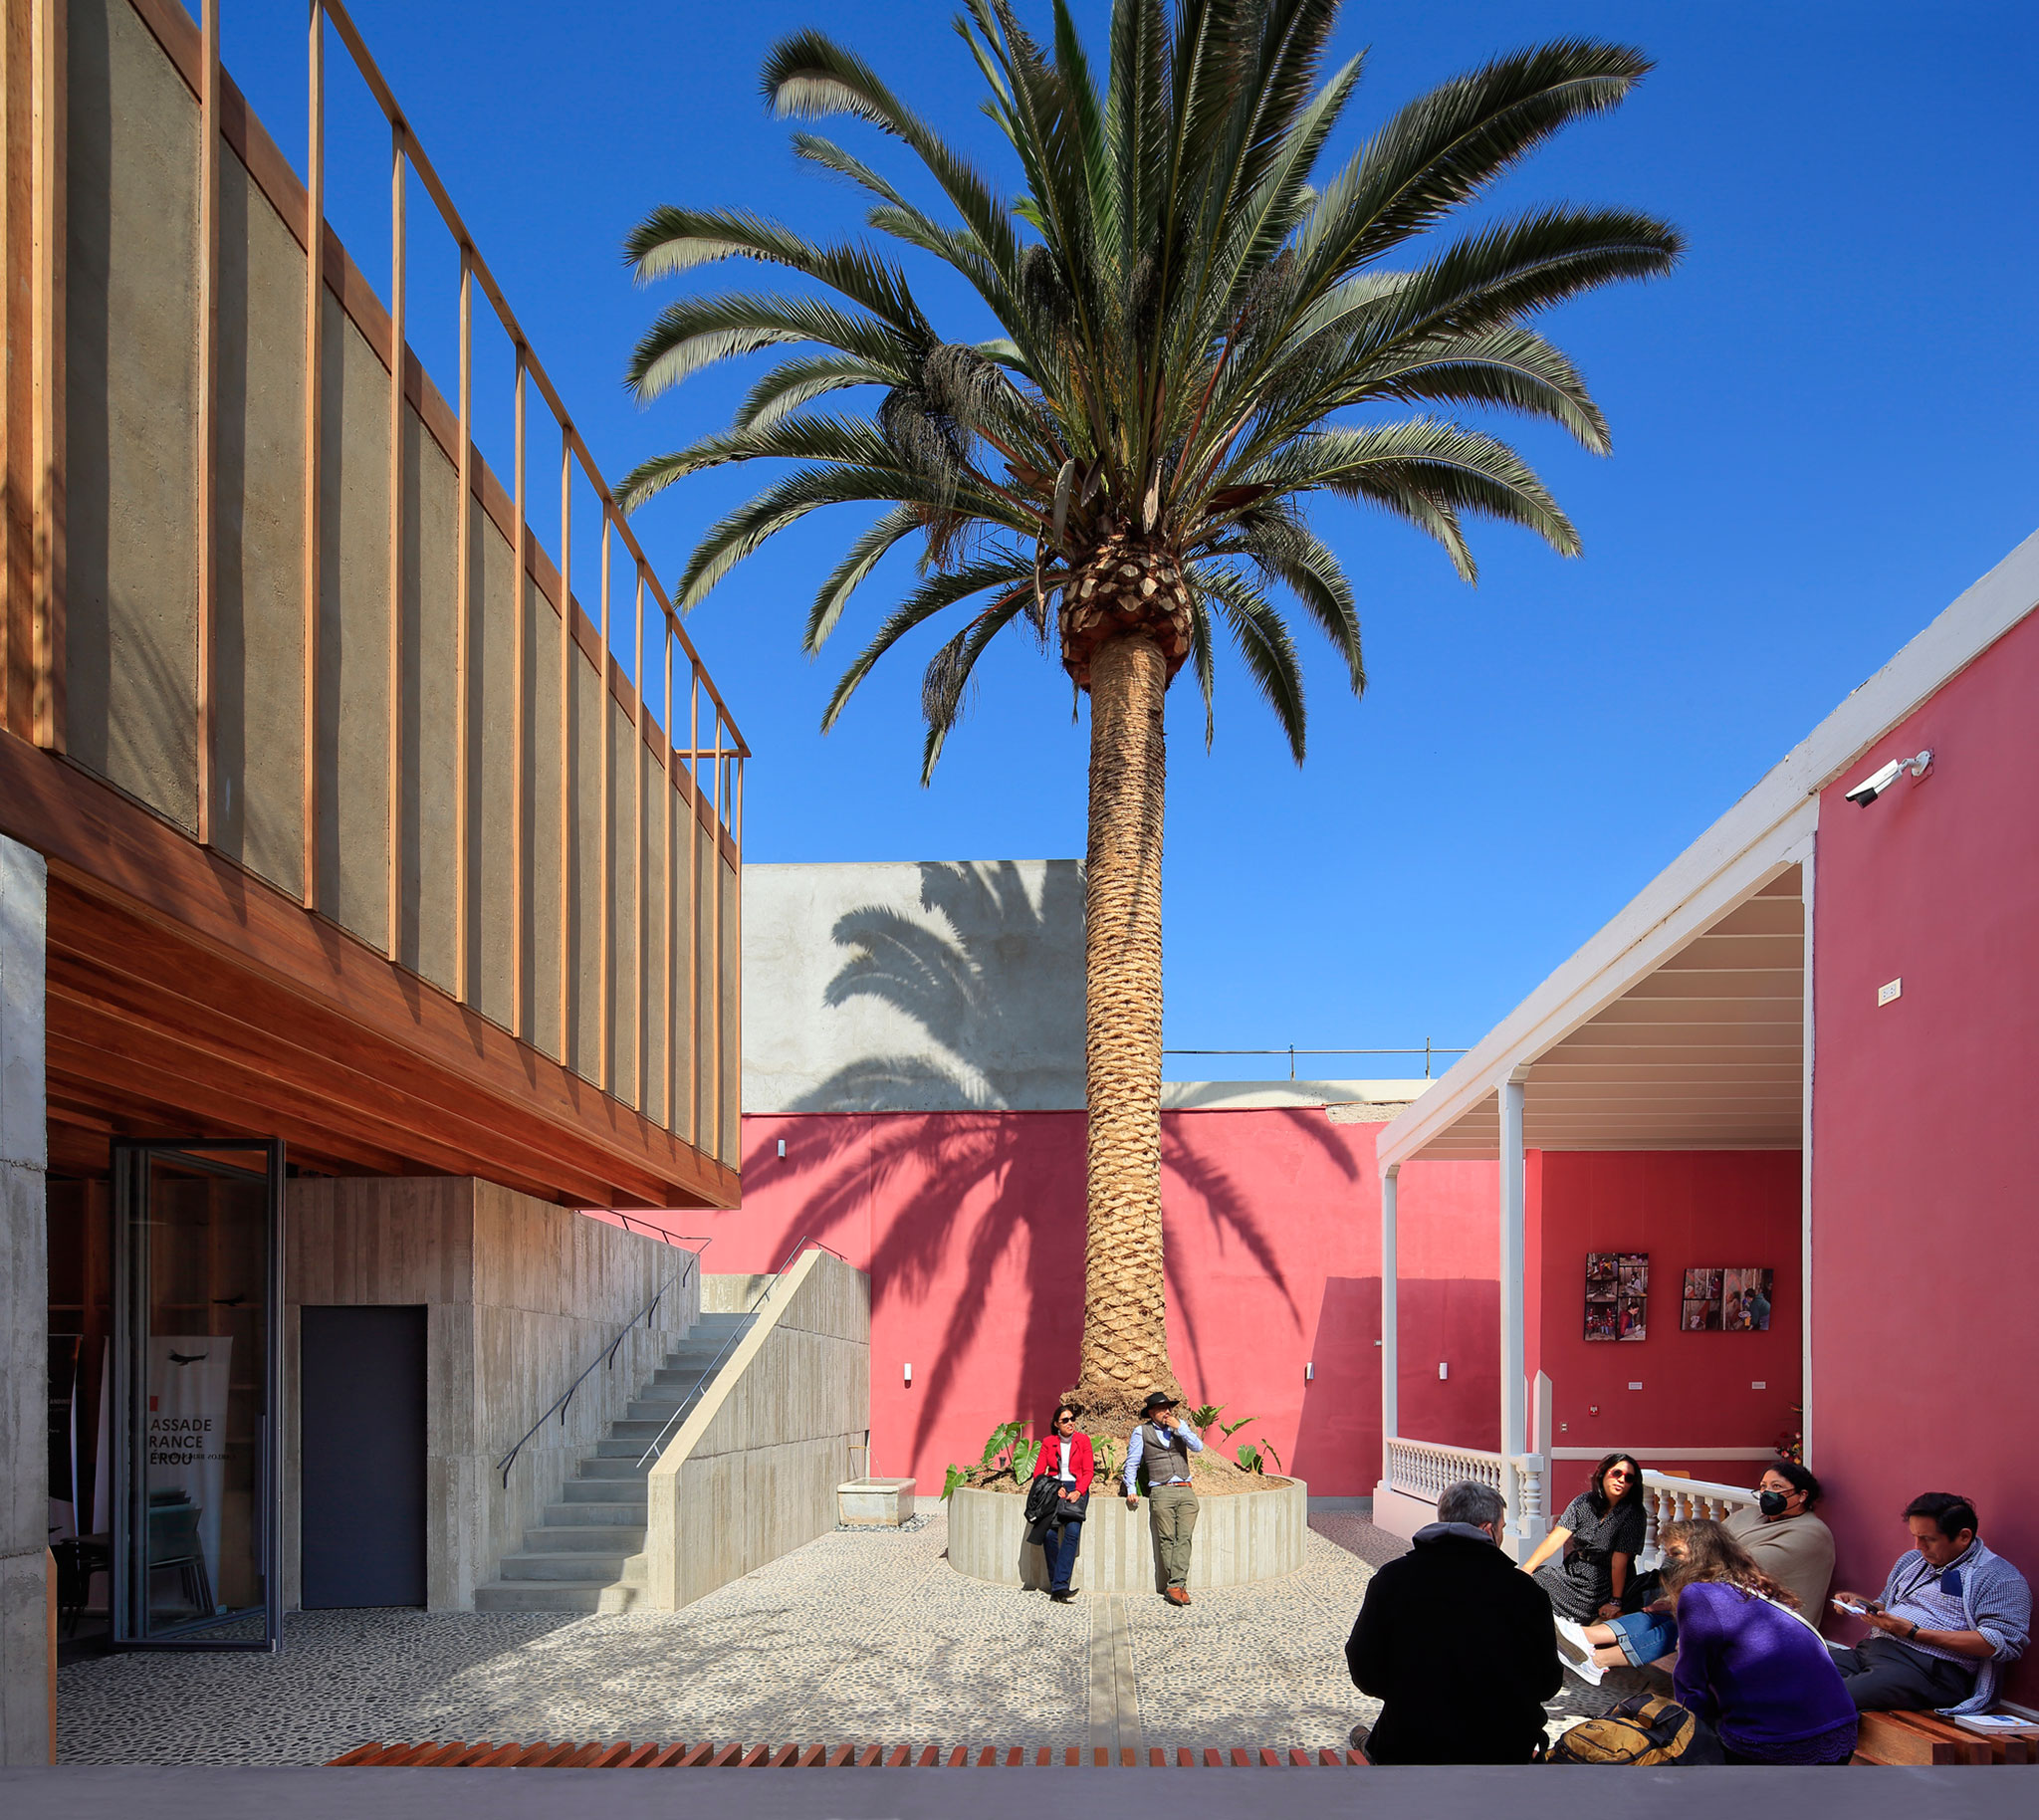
x: 1253, y: 1458
x: 1007, y: 1450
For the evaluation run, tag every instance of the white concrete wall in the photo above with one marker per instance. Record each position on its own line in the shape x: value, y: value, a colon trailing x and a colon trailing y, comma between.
x: 930, y: 987
x: 24, y: 1314
x: 753, y: 1470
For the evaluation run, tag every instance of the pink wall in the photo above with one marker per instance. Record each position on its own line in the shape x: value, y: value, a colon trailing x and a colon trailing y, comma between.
x: 1447, y: 1305
x: 1925, y: 1142
x: 1684, y: 1208
x: 970, y: 1225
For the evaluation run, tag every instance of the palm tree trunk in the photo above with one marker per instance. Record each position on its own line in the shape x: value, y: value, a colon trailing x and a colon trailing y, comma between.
x: 1125, y: 1315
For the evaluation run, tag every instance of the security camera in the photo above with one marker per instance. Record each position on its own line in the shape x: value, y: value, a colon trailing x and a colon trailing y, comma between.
x: 1873, y: 785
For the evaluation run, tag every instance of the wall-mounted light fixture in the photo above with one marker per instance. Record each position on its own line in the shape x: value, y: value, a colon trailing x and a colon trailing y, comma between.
x: 782, y: 1147
x: 1309, y: 1372
x: 1873, y: 785
x: 907, y: 1373
x: 1443, y: 1370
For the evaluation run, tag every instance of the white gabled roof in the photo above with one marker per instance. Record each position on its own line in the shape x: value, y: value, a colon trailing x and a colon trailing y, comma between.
x: 1752, y: 849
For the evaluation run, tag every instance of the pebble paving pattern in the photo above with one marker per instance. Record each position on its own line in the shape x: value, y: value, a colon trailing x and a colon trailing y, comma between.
x: 865, y: 1636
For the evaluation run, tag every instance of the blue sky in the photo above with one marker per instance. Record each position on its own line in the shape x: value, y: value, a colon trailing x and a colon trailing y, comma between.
x: 1822, y: 425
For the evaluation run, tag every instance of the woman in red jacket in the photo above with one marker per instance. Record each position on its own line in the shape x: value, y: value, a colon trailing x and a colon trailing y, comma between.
x: 1066, y: 1457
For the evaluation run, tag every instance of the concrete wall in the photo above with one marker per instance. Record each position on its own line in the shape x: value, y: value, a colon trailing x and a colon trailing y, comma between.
x: 24, y: 1316
x: 753, y: 1470
x: 931, y: 986
x: 1925, y: 1356
x: 519, y: 1296
x: 132, y: 414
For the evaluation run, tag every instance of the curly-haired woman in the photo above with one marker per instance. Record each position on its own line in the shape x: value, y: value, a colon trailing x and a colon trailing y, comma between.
x: 1747, y: 1663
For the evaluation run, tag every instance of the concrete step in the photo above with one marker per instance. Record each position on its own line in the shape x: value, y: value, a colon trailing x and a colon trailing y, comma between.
x: 653, y: 1406
x: 585, y: 1538
x: 593, y: 1515
x: 625, y: 1446
x: 574, y: 1566
x: 675, y: 1381
x: 612, y: 1466
x: 600, y: 1494
x: 643, y: 1429
x: 558, y: 1596
x: 540, y: 1596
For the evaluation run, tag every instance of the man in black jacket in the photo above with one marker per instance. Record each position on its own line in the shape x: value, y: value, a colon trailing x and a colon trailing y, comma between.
x: 1456, y: 1643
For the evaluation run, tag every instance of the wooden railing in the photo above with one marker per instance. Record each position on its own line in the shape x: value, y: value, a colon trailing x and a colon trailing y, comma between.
x: 635, y: 988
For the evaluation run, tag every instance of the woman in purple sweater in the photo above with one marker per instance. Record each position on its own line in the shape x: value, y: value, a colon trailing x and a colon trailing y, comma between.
x: 1747, y: 1663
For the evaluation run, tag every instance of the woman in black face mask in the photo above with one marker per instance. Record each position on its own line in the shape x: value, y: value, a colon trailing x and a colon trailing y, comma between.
x: 1783, y: 1536
x: 1780, y: 1534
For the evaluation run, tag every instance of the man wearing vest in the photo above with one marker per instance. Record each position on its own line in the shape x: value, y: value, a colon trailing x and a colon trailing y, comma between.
x: 1165, y: 1442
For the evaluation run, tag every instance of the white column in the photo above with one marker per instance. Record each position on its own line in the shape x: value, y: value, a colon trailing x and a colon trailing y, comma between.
x: 1515, y: 1412
x: 1390, y: 1353
x: 24, y: 1315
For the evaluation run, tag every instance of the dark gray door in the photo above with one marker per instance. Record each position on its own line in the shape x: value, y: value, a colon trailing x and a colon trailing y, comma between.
x: 362, y: 1405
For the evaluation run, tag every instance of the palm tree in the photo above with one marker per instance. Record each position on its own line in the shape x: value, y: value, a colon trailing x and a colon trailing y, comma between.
x: 1196, y: 335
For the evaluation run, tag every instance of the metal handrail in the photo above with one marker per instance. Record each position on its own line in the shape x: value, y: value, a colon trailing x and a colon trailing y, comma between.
x: 609, y: 1358
x: 1427, y: 1051
x: 707, y: 1377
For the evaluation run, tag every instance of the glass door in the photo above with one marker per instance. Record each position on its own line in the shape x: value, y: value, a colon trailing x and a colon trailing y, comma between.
x: 197, y: 1386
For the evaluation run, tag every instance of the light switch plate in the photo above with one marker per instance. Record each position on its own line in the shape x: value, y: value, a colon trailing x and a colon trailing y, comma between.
x: 1891, y: 988
x: 1759, y: 1384
x: 1635, y: 1383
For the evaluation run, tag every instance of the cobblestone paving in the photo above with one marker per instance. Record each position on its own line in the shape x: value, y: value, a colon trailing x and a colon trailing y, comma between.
x: 865, y: 1636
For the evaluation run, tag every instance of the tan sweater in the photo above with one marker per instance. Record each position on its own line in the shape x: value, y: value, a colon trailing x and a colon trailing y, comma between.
x: 1795, y: 1551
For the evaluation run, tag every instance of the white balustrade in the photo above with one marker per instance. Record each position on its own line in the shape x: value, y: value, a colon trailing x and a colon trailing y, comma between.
x: 1423, y: 1468
x: 1668, y: 1499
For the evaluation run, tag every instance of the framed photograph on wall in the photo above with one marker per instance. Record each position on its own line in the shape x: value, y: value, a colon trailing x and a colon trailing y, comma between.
x: 1700, y: 1311
x: 1617, y: 1296
x: 1745, y: 1300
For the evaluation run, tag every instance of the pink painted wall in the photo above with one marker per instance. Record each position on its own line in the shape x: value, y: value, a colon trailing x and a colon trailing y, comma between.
x: 1925, y: 1142
x: 1685, y: 1208
x: 970, y: 1225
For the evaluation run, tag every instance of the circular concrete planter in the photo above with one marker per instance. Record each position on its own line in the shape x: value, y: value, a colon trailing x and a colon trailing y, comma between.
x: 1253, y: 1535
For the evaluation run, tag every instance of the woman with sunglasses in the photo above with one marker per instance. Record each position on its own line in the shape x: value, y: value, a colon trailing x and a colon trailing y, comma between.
x: 1066, y: 1458
x: 1601, y: 1533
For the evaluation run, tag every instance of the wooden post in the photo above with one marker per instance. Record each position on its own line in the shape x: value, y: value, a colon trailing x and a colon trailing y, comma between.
x: 638, y: 728
x: 463, y: 643
x: 393, y: 946
x: 314, y: 291
x: 565, y: 739
x: 736, y: 932
x: 693, y: 808
x: 50, y: 89
x: 519, y: 710
x: 605, y: 841
x: 715, y: 975
x: 672, y: 881
x: 208, y: 397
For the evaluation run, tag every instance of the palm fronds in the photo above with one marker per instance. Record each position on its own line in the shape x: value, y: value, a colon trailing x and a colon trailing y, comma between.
x: 1200, y: 329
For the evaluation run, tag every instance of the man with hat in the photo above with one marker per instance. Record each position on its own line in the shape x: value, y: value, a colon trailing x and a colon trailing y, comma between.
x: 1165, y: 1442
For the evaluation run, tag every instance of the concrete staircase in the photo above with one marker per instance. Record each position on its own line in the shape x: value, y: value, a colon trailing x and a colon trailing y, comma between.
x: 588, y: 1553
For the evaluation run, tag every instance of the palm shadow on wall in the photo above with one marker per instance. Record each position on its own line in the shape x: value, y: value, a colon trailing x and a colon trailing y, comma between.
x: 986, y: 980
x: 999, y: 1004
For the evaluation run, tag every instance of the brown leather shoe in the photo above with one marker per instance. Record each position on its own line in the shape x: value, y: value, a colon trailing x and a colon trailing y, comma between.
x: 1178, y: 1595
